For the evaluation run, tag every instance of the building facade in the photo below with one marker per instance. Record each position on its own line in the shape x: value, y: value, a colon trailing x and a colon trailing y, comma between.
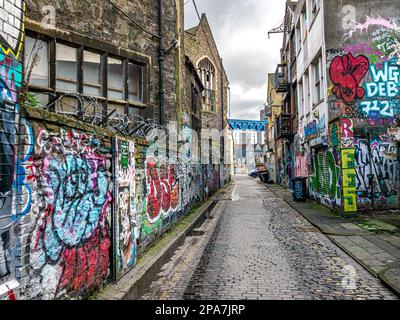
x: 342, y: 77
x: 250, y: 147
x: 274, y: 109
x: 202, y: 51
x: 89, y: 92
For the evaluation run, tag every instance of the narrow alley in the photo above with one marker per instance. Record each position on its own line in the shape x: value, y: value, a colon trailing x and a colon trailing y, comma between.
x: 261, y: 248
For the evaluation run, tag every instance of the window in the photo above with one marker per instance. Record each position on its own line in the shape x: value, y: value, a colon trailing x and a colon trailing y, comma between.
x: 66, y: 68
x: 298, y: 38
x: 304, y: 24
x: 313, y: 7
x: 195, y: 123
x: 295, y: 100
x: 91, y: 73
x: 37, y: 62
x: 206, y: 72
x: 83, y: 70
x: 115, y: 79
x: 301, y: 99
x: 306, y: 87
x: 135, y: 82
x: 318, y: 81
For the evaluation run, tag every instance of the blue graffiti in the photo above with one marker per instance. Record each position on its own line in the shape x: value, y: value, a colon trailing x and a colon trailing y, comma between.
x: 385, y: 81
x: 76, y: 190
x: 380, y: 108
x: 21, y: 185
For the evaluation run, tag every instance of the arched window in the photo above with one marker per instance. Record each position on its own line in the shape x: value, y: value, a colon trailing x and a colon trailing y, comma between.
x: 206, y: 72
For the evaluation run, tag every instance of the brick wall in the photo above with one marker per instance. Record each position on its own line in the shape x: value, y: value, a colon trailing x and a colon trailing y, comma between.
x: 11, y: 194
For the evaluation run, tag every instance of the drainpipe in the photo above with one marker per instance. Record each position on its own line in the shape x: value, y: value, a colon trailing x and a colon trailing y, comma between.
x: 229, y: 103
x: 371, y: 177
x: 222, y: 156
x: 161, y: 55
x: 222, y: 95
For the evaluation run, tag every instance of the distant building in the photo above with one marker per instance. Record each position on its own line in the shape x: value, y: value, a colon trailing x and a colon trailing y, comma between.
x: 202, y: 51
x: 249, y: 144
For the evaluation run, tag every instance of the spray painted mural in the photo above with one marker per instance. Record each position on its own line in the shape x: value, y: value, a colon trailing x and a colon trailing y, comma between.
x: 325, y: 180
x: 126, y: 212
x: 364, y: 93
x: 377, y: 173
x: 172, y: 189
x: 70, y: 239
x: 87, y: 189
x: 211, y: 178
x: 11, y: 42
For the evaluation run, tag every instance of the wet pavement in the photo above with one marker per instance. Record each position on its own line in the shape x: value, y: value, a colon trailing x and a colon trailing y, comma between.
x: 258, y: 247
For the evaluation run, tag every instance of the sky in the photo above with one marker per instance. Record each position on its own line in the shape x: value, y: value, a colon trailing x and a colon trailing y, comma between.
x: 240, y: 28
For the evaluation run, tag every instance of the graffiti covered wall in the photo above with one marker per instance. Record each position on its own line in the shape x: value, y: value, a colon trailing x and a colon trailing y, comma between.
x: 96, y: 203
x: 363, y: 64
x: 325, y: 180
x: 70, y: 236
x: 78, y: 204
x: 126, y: 211
x: 12, y: 192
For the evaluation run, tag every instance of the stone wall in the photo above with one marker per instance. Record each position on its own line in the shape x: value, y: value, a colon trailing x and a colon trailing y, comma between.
x: 98, y: 24
x: 199, y: 44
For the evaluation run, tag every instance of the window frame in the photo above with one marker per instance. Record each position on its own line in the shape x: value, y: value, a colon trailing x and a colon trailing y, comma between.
x: 318, y: 96
x: 315, y: 6
x: 298, y: 38
x: 26, y: 67
x: 208, y: 74
x: 105, y: 51
x: 100, y: 74
x: 304, y: 23
x: 78, y: 67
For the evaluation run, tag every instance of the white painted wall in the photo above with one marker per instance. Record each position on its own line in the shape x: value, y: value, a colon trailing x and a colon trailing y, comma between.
x: 312, y: 46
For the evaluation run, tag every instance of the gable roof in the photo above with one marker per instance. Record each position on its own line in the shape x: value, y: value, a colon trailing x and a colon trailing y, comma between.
x: 192, y: 31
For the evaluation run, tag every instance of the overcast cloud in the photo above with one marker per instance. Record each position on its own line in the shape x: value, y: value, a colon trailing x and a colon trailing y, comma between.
x: 240, y: 28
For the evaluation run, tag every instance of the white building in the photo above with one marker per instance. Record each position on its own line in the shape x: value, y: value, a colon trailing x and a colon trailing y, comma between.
x: 312, y: 91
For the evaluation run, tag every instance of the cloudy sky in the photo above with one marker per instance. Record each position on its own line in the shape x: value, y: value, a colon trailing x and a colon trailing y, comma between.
x: 240, y: 28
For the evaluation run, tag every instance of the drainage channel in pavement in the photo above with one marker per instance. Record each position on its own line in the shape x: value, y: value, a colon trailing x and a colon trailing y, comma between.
x: 171, y: 276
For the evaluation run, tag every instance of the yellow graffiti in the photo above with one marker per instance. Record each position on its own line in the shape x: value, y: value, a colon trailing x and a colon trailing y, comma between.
x: 348, y: 158
x: 349, y: 178
x: 330, y: 90
x: 350, y: 199
x: 7, y: 50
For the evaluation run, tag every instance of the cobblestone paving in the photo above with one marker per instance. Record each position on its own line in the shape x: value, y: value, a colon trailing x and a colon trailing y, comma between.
x: 264, y: 249
x: 258, y: 247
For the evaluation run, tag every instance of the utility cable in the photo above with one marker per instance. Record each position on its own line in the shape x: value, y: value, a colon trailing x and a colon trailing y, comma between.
x: 208, y: 43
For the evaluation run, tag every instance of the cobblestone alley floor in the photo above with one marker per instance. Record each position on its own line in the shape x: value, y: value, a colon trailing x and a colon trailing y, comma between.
x: 258, y: 247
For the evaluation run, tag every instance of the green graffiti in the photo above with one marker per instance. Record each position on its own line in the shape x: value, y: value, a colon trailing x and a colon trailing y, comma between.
x: 325, y: 181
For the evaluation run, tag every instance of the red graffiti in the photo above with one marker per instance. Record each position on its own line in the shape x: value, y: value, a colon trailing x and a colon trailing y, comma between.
x: 11, y: 295
x: 347, y: 134
x: 163, y: 190
x: 346, y: 73
x: 85, y: 267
